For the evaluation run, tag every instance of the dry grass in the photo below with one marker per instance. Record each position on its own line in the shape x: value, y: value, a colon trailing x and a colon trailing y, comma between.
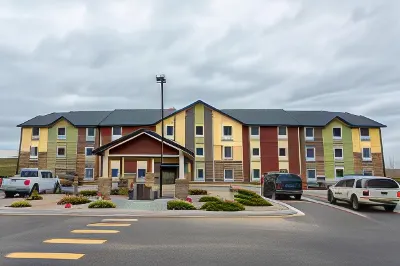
x: 8, y: 166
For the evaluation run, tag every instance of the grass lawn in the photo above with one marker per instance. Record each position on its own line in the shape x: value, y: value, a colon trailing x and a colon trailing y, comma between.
x: 8, y: 166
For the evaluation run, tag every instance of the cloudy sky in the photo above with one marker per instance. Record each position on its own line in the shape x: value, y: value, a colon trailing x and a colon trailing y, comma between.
x: 91, y: 55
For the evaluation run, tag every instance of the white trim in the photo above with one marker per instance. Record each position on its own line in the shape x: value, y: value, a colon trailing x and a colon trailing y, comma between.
x: 305, y: 134
x: 300, y: 159
x: 86, y: 151
x: 181, y: 170
x: 334, y: 153
x: 315, y: 176
x: 233, y: 175
x: 259, y: 152
x: 143, y: 155
x: 196, y: 151
x: 366, y: 158
x: 62, y: 137
x: 307, y: 158
x: 341, y: 133
x: 85, y: 178
x: 195, y: 131
x: 223, y: 152
x: 152, y: 165
x: 252, y: 174
x: 279, y: 152
x: 339, y: 167
x: 282, y: 136
x: 166, y: 131
x: 65, y: 151
x: 197, y: 174
x: 255, y: 136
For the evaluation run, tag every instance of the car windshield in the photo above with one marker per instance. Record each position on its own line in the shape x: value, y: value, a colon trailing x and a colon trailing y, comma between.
x: 381, y: 183
x: 289, y: 177
x: 26, y: 173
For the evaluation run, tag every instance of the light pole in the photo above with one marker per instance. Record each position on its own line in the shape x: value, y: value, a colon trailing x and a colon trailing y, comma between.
x: 161, y: 79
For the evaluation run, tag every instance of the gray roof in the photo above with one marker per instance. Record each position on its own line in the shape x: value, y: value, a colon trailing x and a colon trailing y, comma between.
x: 262, y: 117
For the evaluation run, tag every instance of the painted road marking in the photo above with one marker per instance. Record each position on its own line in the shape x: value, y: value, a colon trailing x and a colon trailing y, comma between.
x: 94, y: 231
x: 75, y: 241
x: 335, y: 207
x: 119, y: 220
x: 108, y: 224
x: 38, y: 255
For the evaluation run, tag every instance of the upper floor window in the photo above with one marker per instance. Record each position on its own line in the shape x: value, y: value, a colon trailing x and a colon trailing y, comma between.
x: 61, y: 151
x: 338, y: 153
x: 364, y: 134
x: 282, y: 152
x: 310, y: 153
x: 199, y: 131
x: 170, y: 131
x: 228, y: 154
x: 366, y: 154
x: 282, y: 132
x: 200, y: 151
x: 35, y: 133
x: 337, y: 133
x: 227, y: 132
x: 61, y: 133
x: 255, y: 131
x: 116, y: 132
x: 309, y: 133
x: 90, y: 132
x: 89, y: 151
x: 256, y: 152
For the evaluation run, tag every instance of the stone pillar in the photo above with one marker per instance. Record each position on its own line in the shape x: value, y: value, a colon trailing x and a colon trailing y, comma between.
x: 181, y: 188
x: 104, y: 187
x: 181, y: 165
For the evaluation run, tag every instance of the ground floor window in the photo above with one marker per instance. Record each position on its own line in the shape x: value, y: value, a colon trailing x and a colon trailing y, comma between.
x: 228, y: 174
x: 339, y: 172
x: 256, y: 174
x: 114, y: 172
x: 141, y: 173
x: 367, y: 172
x: 311, y: 174
x: 89, y: 174
x: 200, y: 173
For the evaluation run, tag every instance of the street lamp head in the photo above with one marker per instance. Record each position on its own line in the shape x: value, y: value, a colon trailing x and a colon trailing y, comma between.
x: 161, y: 78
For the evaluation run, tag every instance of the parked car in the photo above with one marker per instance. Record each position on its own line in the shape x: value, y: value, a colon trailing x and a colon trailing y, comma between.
x: 367, y: 191
x: 282, y: 185
x: 28, y: 180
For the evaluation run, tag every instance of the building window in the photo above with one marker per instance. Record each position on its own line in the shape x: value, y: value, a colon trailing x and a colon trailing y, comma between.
x: 338, y: 153
x: 367, y: 172
x: 89, y: 151
x: 200, y: 173
x: 89, y: 174
x: 170, y: 131
x: 61, y: 151
x: 141, y: 173
x: 255, y: 131
x: 311, y: 174
x: 90, y: 134
x: 228, y: 154
x: 35, y: 133
x: 199, y: 152
x: 199, y: 131
x: 256, y: 174
x: 339, y: 172
x: 227, y: 132
x: 310, y: 153
x: 61, y: 133
x: 114, y: 172
x: 366, y: 154
x: 364, y: 134
x: 282, y: 132
x: 256, y: 152
x: 309, y: 133
x: 282, y: 152
x: 228, y: 174
x: 34, y: 153
x: 116, y: 132
x: 337, y: 133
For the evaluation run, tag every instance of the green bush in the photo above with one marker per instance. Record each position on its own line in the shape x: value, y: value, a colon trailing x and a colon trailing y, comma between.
x: 35, y: 196
x: 102, y: 204
x: 88, y: 193
x: 250, y: 198
x: 180, y: 205
x: 74, y: 200
x: 197, y: 192
x: 247, y: 192
x: 20, y: 204
x: 123, y: 191
x: 209, y: 198
x: 225, y: 206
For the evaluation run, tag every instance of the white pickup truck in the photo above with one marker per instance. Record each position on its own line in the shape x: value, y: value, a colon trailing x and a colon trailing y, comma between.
x: 28, y: 180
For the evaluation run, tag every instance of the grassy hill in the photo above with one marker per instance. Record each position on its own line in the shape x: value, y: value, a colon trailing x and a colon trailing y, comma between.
x: 8, y: 166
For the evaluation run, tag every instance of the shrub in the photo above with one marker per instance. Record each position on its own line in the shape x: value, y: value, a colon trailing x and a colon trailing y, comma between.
x: 247, y: 192
x: 20, y: 204
x: 74, y: 200
x: 209, y: 198
x: 197, y: 192
x: 250, y: 198
x: 180, y: 205
x: 35, y: 196
x: 226, y: 206
x: 102, y: 204
x: 88, y: 193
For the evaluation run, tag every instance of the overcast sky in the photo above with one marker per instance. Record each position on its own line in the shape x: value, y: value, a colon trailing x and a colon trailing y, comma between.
x: 102, y: 55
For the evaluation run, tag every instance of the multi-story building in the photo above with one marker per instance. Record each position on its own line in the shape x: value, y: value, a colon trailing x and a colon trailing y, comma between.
x: 204, y: 143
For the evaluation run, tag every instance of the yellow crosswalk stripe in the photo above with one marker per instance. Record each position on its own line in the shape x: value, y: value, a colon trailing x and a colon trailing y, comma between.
x: 119, y: 220
x: 108, y: 224
x: 75, y: 241
x: 94, y: 231
x: 39, y: 255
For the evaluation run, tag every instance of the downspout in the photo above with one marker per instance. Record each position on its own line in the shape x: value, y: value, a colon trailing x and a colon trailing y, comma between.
x: 383, y: 157
x: 19, y: 152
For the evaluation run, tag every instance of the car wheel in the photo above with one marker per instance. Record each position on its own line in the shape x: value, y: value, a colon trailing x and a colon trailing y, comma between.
x: 331, y: 198
x: 297, y: 197
x: 389, y: 208
x: 354, y: 203
x: 35, y: 187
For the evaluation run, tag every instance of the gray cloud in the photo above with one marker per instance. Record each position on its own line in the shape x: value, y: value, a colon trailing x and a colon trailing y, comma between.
x: 92, y: 55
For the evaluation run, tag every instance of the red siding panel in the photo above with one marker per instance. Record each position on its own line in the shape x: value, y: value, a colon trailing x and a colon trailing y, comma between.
x: 269, y: 149
x: 130, y: 166
x: 143, y: 145
x: 246, y: 153
x: 105, y: 134
x: 294, y: 157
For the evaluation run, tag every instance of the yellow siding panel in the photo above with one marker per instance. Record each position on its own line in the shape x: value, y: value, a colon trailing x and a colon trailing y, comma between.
x: 284, y: 165
x: 35, y: 143
x: 44, y: 138
x: 218, y: 153
x: 26, y: 139
x: 355, y: 132
x: 375, y: 140
x: 220, y: 120
x: 180, y: 128
x: 237, y: 153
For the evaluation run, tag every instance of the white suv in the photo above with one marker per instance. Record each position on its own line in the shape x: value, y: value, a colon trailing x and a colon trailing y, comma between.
x: 366, y: 190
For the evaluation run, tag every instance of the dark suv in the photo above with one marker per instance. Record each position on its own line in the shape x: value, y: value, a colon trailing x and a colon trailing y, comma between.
x: 282, y: 185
